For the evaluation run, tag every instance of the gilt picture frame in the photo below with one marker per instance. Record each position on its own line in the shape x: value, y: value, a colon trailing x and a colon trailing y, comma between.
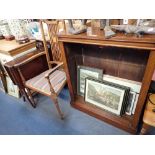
x: 104, y: 96
x: 82, y: 73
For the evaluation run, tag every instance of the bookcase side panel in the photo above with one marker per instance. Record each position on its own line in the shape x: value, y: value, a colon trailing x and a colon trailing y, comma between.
x: 144, y: 89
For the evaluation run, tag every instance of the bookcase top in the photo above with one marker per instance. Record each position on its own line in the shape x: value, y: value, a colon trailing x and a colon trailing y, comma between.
x: 96, y: 36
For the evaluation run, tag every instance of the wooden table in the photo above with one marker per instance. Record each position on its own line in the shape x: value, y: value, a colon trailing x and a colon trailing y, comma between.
x: 9, y: 50
x: 149, y: 115
x: 13, y: 48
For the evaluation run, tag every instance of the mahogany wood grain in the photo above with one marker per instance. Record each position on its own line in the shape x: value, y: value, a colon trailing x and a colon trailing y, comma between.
x: 12, y: 71
x: 120, y: 40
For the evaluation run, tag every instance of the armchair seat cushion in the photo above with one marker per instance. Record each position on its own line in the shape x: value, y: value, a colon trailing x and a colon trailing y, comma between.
x: 40, y: 83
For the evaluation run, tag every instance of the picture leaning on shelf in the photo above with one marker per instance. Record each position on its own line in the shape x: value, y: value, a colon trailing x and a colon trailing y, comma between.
x: 134, y: 91
x: 82, y: 73
x: 1, y: 86
x: 107, y: 95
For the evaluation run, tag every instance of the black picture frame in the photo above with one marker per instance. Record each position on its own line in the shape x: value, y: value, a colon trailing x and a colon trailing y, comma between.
x: 131, y: 102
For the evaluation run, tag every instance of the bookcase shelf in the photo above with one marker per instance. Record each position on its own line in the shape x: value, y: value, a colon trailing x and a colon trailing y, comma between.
x: 121, y: 56
x: 123, y: 122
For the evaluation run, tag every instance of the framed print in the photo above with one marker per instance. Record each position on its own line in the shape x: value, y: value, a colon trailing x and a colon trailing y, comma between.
x: 82, y: 73
x: 1, y: 85
x: 135, y: 104
x: 12, y: 89
x: 105, y: 96
x: 134, y: 85
x: 129, y: 108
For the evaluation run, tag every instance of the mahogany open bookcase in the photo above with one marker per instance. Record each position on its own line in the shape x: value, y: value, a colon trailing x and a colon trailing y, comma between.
x: 122, y: 56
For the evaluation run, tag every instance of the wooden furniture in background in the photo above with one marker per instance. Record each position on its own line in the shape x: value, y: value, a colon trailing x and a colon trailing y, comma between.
x: 122, y: 56
x: 10, y: 50
x: 13, y: 72
x: 149, y: 116
x: 41, y: 79
x: 40, y: 47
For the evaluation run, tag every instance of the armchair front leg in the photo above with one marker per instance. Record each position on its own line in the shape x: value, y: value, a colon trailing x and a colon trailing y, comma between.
x: 50, y: 85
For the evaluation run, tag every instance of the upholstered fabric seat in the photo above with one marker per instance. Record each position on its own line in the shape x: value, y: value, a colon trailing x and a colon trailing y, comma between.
x: 40, y: 83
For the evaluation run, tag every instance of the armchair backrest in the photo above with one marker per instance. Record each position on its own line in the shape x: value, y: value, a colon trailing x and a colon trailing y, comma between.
x: 53, y: 39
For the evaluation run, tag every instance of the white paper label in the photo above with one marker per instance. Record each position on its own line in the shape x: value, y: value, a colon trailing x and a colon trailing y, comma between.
x: 150, y: 29
x: 125, y: 21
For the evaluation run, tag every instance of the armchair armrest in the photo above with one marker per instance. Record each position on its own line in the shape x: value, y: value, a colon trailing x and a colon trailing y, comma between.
x: 54, y: 62
x: 55, y: 68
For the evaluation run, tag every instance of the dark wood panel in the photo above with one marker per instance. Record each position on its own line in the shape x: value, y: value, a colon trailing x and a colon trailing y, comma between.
x: 12, y: 71
x: 34, y: 68
x: 144, y: 89
x: 125, y: 63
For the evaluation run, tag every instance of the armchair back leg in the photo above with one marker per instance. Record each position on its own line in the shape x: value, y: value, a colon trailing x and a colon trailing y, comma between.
x: 31, y: 97
x: 28, y: 98
x: 23, y: 98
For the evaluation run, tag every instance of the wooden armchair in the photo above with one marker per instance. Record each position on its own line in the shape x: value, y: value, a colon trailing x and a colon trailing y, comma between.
x: 40, y: 74
x: 36, y: 76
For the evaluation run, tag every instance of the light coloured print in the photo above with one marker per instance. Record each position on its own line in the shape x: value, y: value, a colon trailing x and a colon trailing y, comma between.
x: 83, y: 75
x: 104, y: 96
x: 134, y: 85
x: 12, y: 89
